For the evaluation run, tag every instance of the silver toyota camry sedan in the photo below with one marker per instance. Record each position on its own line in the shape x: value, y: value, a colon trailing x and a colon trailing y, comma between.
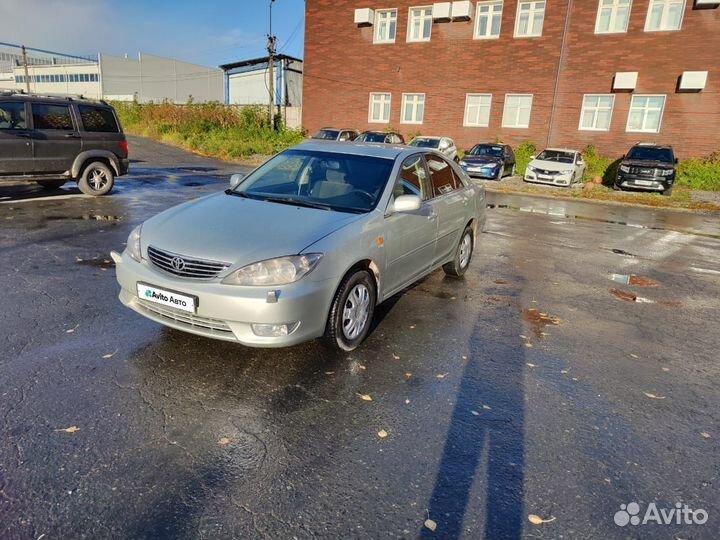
x: 305, y: 246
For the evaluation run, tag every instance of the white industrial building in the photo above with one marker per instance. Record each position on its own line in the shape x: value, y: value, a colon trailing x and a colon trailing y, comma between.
x: 247, y: 81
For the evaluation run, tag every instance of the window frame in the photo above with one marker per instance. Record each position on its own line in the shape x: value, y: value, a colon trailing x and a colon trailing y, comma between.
x: 630, y: 109
x: 582, y: 113
x: 476, y: 24
x: 517, y: 18
x: 504, y: 124
x: 465, y: 113
x: 613, y: 17
x: 415, y: 104
x: 376, y: 29
x: 370, y: 107
x: 423, y: 18
x: 664, y: 16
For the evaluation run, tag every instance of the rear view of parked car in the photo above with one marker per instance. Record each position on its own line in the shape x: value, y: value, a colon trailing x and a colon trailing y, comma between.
x: 443, y: 144
x: 385, y: 137
x: 556, y: 166
x: 335, y: 134
x: 648, y: 167
x: 489, y: 161
x: 51, y: 140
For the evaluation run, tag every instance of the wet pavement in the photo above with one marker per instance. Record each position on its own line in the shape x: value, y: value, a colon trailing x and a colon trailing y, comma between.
x: 527, y: 388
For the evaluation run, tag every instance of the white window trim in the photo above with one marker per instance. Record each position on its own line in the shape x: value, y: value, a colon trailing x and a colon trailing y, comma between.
x: 465, y: 118
x: 517, y: 20
x: 531, y: 96
x: 662, y: 114
x: 477, y: 18
x: 402, y: 110
x: 408, y: 39
x: 612, y: 20
x: 377, y: 26
x: 582, y: 112
x: 661, y: 29
x: 370, y: 104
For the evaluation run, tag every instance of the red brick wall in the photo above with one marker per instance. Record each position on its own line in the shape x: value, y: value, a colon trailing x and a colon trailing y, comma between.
x: 342, y: 66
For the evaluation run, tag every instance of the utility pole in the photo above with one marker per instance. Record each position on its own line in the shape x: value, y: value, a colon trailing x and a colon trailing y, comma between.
x: 27, y: 78
x: 271, y: 71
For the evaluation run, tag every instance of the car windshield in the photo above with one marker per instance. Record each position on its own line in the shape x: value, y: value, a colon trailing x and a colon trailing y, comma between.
x: 424, y: 142
x: 486, y: 150
x: 326, y: 134
x: 651, y: 154
x: 324, y: 180
x: 371, y: 137
x: 556, y: 155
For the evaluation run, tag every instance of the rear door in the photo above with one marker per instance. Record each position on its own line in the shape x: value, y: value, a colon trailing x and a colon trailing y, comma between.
x: 55, y: 135
x: 15, y: 143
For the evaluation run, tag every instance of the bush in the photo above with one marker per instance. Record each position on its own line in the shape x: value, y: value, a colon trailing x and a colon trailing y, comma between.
x: 702, y: 174
x: 523, y: 155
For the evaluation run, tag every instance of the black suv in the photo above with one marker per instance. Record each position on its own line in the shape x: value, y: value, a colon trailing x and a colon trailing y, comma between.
x: 50, y: 140
x: 648, y: 167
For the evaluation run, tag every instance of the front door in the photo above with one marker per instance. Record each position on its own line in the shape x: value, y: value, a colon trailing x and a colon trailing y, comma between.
x: 56, y: 140
x: 410, y: 236
x: 15, y: 144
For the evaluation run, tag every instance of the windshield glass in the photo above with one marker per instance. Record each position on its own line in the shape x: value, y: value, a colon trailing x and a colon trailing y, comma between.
x: 326, y: 134
x: 556, y: 155
x: 486, y: 150
x: 327, y: 180
x: 424, y: 142
x: 371, y: 137
x: 651, y: 154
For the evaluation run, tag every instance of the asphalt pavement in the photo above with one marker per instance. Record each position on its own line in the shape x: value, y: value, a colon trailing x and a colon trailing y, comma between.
x: 573, y: 370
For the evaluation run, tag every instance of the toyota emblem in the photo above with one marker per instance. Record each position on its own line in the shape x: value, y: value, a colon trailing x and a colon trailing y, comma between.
x: 178, y: 263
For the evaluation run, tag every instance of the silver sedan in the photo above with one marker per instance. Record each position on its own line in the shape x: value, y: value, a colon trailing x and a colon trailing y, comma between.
x: 305, y: 246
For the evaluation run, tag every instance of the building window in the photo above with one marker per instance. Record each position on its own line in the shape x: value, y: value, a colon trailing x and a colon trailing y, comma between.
x: 488, y: 19
x: 612, y: 16
x: 529, y: 20
x: 596, y: 112
x: 477, y: 110
x: 413, y: 109
x: 420, y: 24
x: 646, y: 114
x: 379, y: 108
x: 664, y: 15
x: 516, y: 113
x: 385, y: 25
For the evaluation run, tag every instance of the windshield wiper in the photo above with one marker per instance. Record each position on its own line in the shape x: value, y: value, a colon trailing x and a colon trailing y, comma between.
x: 298, y: 202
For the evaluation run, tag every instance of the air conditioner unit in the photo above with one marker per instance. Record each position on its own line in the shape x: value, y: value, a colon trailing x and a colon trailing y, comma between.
x: 625, y: 80
x: 364, y: 16
x: 441, y: 10
x: 461, y: 11
x: 693, y: 80
x: 715, y: 3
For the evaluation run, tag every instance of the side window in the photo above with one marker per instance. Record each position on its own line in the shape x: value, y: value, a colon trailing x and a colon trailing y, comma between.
x: 411, y: 180
x: 12, y: 115
x: 442, y: 177
x: 98, y: 119
x: 52, y: 117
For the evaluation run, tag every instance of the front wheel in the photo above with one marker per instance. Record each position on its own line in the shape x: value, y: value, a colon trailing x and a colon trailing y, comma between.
x: 97, y: 179
x: 463, y: 255
x: 667, y: 192
x: 352, y: 311
x: 51, y: 184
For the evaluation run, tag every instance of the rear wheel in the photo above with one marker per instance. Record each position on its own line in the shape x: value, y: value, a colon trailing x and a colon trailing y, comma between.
x: 51, y: 184
x: 352, y: 311
x: 463, y: 255
x: 97, y: 179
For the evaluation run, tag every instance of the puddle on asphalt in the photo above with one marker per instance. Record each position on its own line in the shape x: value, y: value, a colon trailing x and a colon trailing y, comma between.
x: 632, y: 279
x: 96, y: 263
x: 622, y: 252
x: 538, y: 321
x: 85, y: 217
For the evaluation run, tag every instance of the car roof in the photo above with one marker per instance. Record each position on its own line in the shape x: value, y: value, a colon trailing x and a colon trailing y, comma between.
x: 653, y: 145
x: 379, y: 132
x: 387, y: 151
x: 337, y: 129
x: 491, y: 144
x: 56, y: 98
x: 562, y: 150
x: 434, y: 137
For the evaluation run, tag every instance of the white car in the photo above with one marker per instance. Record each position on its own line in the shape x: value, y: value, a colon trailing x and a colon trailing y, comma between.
x: 443, y: 144
x: 556, y: 166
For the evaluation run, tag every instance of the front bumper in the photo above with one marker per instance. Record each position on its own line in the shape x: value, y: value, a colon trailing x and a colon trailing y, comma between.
x: 553, y: 180
x: 476, y: 171
x: 627, y: 181
x: 227, y: 312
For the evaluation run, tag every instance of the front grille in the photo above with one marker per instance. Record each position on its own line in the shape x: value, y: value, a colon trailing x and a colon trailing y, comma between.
x: 205, y: 324
x: 180, y: 265
x: 548, y: 173
x: 643, y: 171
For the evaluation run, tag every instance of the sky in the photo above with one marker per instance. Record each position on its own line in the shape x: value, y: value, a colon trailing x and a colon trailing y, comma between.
x: 207, y: 32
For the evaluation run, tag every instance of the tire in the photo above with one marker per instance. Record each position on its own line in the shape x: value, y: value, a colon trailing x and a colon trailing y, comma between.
x: 51, y: 184
x: 97, y: 179
x: 356, y: 290
x: 668, y: 191
x: 499, y: 176
x: 514, y: 171
x: 463, y: 255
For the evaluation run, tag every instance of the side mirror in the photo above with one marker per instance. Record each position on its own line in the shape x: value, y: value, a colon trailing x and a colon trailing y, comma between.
x: 677, y: 161
x: 235, y: 180
x: 444, y: 146
x: 406, y: 203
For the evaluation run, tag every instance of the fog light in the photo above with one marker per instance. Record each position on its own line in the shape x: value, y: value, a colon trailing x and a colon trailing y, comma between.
x: 274, y: 330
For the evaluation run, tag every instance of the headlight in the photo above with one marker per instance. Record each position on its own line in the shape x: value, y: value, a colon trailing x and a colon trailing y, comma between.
x: 272, y: 272
x: 567, y: 171
x: 529, y: 168
x: 624, y: 168
x: 666, y: 172
x: 462, y: 163
x: 133, y: 244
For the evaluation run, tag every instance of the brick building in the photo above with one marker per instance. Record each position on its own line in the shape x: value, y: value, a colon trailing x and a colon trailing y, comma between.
x: 555, y: 72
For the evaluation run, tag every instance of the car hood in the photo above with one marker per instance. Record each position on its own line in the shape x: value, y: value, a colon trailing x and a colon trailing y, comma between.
x: 551, y: 165
x: 482, y: 160
x: 239, y: 231
x: 647, y: 164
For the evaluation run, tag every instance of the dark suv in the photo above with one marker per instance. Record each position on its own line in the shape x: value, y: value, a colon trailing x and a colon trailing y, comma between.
x: 50, y: 140
x: 648, y: 167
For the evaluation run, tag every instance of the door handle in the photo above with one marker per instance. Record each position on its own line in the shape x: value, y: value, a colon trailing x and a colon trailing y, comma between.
x: 23, y: 135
